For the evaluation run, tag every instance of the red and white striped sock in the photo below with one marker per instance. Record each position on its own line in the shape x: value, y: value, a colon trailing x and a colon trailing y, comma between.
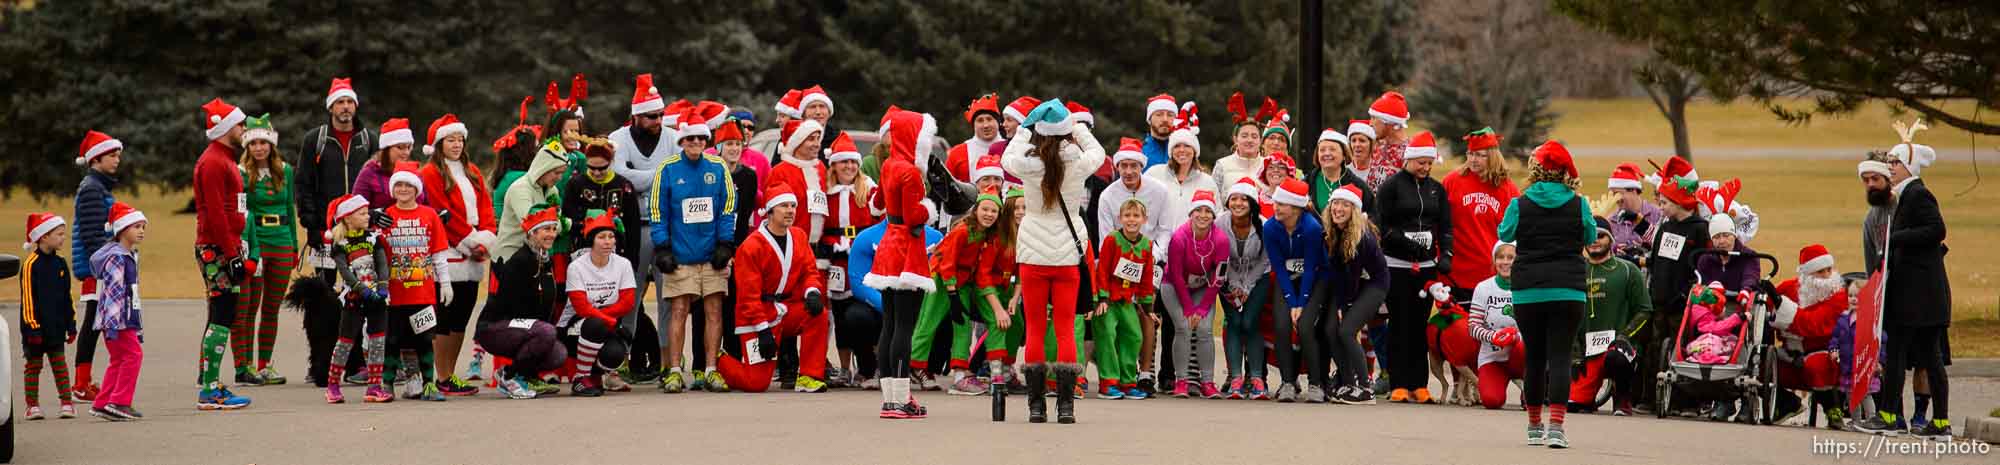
x: 586, y: 356
x: 1556, y: 412
x: 1534, y: 415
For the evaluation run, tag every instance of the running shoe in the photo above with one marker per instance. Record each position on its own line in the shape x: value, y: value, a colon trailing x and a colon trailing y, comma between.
x: 808, y: 384
x: 1235, y: 388
x: 966, y: 385
x: 1288, y: 393
x: 1209, y: 390
x: 378, y: 395
x: 34, y: 412
x: 1180, y: 389
x: 836, y: 376
x: 107, y: 414
x: 673, y: 384
x: 1537, y: 435
x: 586, y: 386
x: 356, y: 379
x: 1256, y: 390
x: 871, y: 384
x: 614, y: 383
x: 66, y: 411
x: 1131, y: 392
x: 714, y: 382
x: 1399, y: 396
x: 1875, y: 424
x: 513, y: 388
x: 411, y: 388
x: 271, y: 376
x: 125, y: 411
x: 85, y: 391
x: 1110, y: 392
x: 455, y: 387
x: 219, y: 398
x: 334, y: 396
x: 1313, y: 395
x: 1423, y: 396
x: 697, y: 381
x: 541, y: 387
x: 432, y: 394
x: 1554, y: 438
x: 902, y: 411
x: 1356, y: 395
x: 474, y: 371
x: 1147, y: 385
x: 1083, y: 392
x: 1933, y: 430
x: 247, y: 378
x: 1917, y: 422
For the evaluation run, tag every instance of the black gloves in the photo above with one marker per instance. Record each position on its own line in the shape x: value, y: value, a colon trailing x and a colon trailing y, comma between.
x: 813, y: 304
x: 444, y: 216
x: 663, y: 261
x: 958, y: 311
x: 723, y: 252
x: 823, y: 251
x: 767, y: 344
x: 1444, y: 264
x: 237, y: 270
x: 380, y: 219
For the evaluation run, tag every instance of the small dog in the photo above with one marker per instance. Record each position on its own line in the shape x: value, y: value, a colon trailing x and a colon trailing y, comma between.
x: 1451, y: 345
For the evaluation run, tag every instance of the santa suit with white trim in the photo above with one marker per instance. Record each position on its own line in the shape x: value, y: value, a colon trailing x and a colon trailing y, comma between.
x: 779, y: 295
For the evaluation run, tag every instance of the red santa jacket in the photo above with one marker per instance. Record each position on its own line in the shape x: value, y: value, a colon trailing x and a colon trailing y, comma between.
x: 848, y: 214
x: 218, y: 199
x: 1124, y: 271
x: 900, y: 262
x: 771, y: 282
x: 453, y: 200
x: 957, y: 259
x: 806, y: 185
x: 1813, y: 322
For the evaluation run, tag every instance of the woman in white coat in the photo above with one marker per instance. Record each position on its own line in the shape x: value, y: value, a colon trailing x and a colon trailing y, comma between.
x: 1057, y: 155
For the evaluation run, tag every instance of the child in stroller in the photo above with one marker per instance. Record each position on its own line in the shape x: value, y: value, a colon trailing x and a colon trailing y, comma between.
x: 1718, y: 339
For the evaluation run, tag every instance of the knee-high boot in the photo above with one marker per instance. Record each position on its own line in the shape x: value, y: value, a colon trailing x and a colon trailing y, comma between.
x: 1038, y: 403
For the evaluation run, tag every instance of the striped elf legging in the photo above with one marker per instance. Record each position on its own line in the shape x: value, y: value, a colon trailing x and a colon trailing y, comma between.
x: 31, y: 381
x: 258, y: 305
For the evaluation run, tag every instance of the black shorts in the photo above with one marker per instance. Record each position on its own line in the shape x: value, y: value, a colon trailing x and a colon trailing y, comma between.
x: 454, y: 318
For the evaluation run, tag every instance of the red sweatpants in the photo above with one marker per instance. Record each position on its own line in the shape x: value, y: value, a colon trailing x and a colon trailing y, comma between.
x: 811, y: 331
x: 1042, y: 286
x: 1493, y: 379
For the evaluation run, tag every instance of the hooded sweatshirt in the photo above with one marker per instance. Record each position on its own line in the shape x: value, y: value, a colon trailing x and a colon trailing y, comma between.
x: 522, y: 198
x: 1548, y: 195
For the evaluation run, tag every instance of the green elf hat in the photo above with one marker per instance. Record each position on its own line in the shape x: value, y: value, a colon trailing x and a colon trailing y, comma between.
x: 1482, y: 139
x: 1015, y: 191
x: 259, y: 128
x: 991, y: 194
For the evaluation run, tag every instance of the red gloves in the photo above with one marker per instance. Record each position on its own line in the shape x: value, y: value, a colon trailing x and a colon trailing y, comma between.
x: 1507, y: 336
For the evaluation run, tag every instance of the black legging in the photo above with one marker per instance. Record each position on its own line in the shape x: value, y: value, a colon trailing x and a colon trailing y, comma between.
x: 1905, y: 348
x: 1547, y: 330
x: 899, y: 322
x: 324, y: 324
x: 613, y: 343
x: 86, y: 337
x: 1345, y: 336
x: 858, y: 330
x: 1309, y: 334
x: 1409, y: 314
x: 359, y: 317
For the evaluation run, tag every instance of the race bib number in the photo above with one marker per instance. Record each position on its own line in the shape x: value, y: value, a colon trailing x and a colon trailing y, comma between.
x: 424, y: 319
x: 242, y: 204
x: 750, y: 352
x: 135, y: 297
x: 1128, y: 270
x: 576, y: 326
x: 1295, y: 266
x: 698, y: 210
x: 1671, y: 245
x: 521, y: 323
x: 1596, y: 342
x: 1422, y: 238
x: 816, y: 203
x: 1197, y: 281
x: 836, y: 279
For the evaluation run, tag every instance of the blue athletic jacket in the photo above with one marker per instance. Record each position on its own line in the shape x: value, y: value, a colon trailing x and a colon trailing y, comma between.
x: 681, y: 178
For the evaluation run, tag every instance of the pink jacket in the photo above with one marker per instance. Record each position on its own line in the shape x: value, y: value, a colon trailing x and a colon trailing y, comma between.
x: 1202, y: 259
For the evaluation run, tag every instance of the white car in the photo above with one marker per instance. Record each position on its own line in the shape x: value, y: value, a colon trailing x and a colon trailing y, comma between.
x: 9, y: 267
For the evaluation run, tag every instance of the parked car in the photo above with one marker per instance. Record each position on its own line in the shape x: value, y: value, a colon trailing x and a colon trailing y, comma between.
x: 9, y: 267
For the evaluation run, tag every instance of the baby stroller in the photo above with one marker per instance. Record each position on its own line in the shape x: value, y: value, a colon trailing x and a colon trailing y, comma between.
x: 1749, y: 373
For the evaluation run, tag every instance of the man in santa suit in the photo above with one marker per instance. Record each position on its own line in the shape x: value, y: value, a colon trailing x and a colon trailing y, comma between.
x: 800, y: 171
x: 778, y: 295
x: 984, y: 116
x: 1811, y: 308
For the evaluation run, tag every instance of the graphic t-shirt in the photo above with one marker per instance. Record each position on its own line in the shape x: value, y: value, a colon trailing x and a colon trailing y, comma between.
x: 416, y: 235
x: 600, y: 284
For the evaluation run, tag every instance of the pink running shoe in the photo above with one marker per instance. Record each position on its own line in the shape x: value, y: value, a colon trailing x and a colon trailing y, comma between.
x: 333, y: 394
x: 1235, y: 388
x: 1208, y: 390
x: 1257, y: 390
x: 1181, y: 388
x: 376, y: 394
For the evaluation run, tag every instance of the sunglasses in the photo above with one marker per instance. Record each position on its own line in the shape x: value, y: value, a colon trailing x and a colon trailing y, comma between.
x: 652, y: 115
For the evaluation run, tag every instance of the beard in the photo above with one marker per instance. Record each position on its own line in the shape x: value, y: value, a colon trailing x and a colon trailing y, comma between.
x: 1598, y: 254
x: 1879, y: 198
x: 1814, y: 289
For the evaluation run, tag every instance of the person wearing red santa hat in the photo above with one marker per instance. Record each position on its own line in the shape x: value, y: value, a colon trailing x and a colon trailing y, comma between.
x: 1162, y: 114
x: 469, y: 227
x: 1551, y: 224
x: 1387, y: 117
x: 1053, y: 159
x: 780, y: 296
x: 100, y: 154
x: 1358, y: 281
x: 117, y: 267
x: 984, y: 116
x: 1246, y: 292
x: 219, y: 246
x: 329, y: 159
x: 361, y: 266
x: 1476, y: 193
x: 1805, y: 319
x: 392, y: 154
x: 1181, y: 173
x: 639, y: 149
x: 848, y: 191
x: 1632, y: 215
x: 47, y: 319
x: 1016, y: 111
x: 788, y: 107
x: 419, y: 283
x: 601, y: 292
x: 802, y: 173
x: 1414, y: 217
x: 1295, y: 242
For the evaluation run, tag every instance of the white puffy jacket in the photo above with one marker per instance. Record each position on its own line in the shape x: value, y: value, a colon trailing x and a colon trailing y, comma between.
x: 1040, y: 240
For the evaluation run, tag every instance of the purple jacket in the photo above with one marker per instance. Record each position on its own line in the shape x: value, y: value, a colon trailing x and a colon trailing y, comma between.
x: 1630, y: 230
x: 1741, y: 272
x: 1203, y: 258
x: 373, y: 185
x: 117, y: 277
x: 1843, y: 338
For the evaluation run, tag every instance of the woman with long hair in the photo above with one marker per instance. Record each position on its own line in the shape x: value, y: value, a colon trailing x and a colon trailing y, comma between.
x: 1477, y: 192
x: 270, y: 232
x: 1551, y: 223
x: 1056, y: 157
x: 1358, y: 280
x: 1246, y: 287
x: 372, y: 183
x: 469, y: 230
x: 1296, y: 244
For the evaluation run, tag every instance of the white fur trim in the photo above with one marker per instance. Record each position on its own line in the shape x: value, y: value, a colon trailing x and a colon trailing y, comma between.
x: 122, y: 222
x: 113, y: 144
x: 344, y: 92
x: 1332, y: 135
x: 650, y: 105
x: 926, y: 137
x: 691, y: 130
x: 442, y: 132
x: 1202, y: 203
x: 393, y: 138
x: 806, y: 128
x: 43, y: 229
x: 990, y: 171
x: 780, y: 199
x: 1010, y: 112
x: 1360, y: 128
x: 1123, y: 155
x: 262, y: 134
x: 1291, y: 198
x: 1344, y: 194
x: 808, y: 100
x: 1622, y: 183
x: 930, y: 208
x: 1159, y: 105
x: 1059, y: 128
x: 904, y: 281
x: 405, y: 177
x: 789, y: 112
x: 1413, y: 153
x: 1816, y: 264
x: 1872, y: 166
x: 223, y: 125
x: 841, y: 156
x: 1184, y: 137
x: 349, y: 206
x: 1388, y: 118
x: 1083, y: 117
x: 1246, y: 190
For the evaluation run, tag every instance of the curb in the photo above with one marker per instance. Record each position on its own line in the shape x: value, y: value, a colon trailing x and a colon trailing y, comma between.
x: 1984, y: 429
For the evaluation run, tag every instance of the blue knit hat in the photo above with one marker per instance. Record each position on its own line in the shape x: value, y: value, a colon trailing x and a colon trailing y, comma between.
x: 1051, y: 118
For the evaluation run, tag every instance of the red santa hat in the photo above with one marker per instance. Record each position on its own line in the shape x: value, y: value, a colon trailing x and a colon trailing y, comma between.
x: 843, y: 150
x: 778, y: 194
x: 1626, y: 176
x: 343, y: 206
x: 40, y: 224
x: 1293, y: 192
x: 989, y: 103
x: 395, y: 131
x: 544, y: 218
x: 1080, y: 113
x: 789, y: 104
x: 220, y: 117
x: 1187, y: 126
x: 341, y: 87
x: 646, y: 97
x: 1159, y: 103
x: 672, y: 118
x: 1422, y: 146
x: 1128, y: 149
x: 96, y: 144
x: 1018, y: 110
x: 795, y: 133
x: 1203, y: 198
x: 989, y: 166
x: 1676, y: 167
x: 1680, y: 191
x: 443, y: 127
x: 700, y: 119
x: 406, y: 176
x: 727, y: 132
x: 1360, y: 126
x: 1391, y: 108
x: 814, y: 94
x: 1351, y: 193
x: 1246, y: 187
x: 1552, y: 156
x: 1813, y: 258
x: 122, y: 216
x: 1482, y: 139
x: 1333, y: 135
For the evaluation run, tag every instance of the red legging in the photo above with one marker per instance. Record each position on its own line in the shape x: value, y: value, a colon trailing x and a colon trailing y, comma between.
x: 1042, y: 286
x: 1493, y: 378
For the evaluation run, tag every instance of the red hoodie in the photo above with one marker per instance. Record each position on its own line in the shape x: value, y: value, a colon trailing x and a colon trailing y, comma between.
x: 1476, y: 210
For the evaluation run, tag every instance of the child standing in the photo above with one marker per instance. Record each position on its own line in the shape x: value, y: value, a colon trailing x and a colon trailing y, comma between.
x: 958, y: 264
x: 47, y: 319
x: 363, y: 265
x: 117, y: 272
x: 1124, y: 275
x: 415, y: 241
